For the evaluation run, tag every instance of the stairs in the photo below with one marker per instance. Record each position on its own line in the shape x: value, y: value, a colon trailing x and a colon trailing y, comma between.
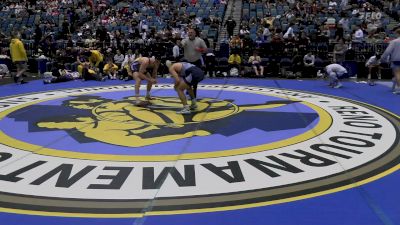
x: 233, y: 9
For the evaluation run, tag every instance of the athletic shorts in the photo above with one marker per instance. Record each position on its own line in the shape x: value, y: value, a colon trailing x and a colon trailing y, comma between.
x: 342, y: 75
x: 21, y: 64
x: 193, y: 76
x: 395, y: 65
x: 135, y: 66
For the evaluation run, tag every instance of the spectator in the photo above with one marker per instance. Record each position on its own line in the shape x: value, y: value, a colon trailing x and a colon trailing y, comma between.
x: 110, y: 69
x: 210, y: 63
x: 297, y: 63
x: 129, y: 57
x: 230, y: 26
x: 255, y: 61
x: 96, y: 60
x: 374, y: 68
x: 289, y: 32
x: 236, y: 44
x: 19, y: 57
x: 234, y: 61
x: 119, y: 58
x: 87, y: 71
x: 358, y: 35
x: 339, y: 51
x: 267, y: 33
x: 309, y: 64
x: 176, y: 54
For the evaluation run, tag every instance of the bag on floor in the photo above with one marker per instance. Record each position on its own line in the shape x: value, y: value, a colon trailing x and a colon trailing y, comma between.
x: 4, y: 69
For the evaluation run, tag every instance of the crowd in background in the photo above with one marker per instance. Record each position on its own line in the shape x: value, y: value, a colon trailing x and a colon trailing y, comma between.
x: 282, y: 33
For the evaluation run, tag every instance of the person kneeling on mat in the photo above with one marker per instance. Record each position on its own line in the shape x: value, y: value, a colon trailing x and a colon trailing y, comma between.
x: 335, y: 73
x: 186, y: 76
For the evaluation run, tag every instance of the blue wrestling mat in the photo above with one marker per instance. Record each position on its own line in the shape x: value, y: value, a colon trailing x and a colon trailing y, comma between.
x: 255, y: 152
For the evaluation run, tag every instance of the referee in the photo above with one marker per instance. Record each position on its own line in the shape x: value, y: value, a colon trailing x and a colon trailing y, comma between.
x: 193, y: 48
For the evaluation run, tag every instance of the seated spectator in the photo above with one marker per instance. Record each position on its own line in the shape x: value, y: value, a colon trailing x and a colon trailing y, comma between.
x: 267, y: 33
x: 236, y: 44
x: 309, y: 64
x: 259, y: 39
x: 297, y: 63
x: 289, y: 32
x: 119, y: 58
x: 234, y: 61
x: 110, y: 69
x: 128, y: 57
x: 303, y: 43
x: 358, y: 35
x: 244, y: 30
x: 255, y: 61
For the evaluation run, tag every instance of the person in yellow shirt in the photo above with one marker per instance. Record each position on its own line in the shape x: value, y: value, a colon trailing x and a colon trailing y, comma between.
x: 234, y: 61
x: 19, y: 57
x: 87, y: 71
x: 110, y: 69
x: 96, y: 60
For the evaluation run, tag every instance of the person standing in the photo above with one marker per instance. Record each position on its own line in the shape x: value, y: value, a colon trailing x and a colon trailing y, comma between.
x: 374, y: 68
x: 193, y: 48
x: 19, y: 57
x: 392, y: 55
x: 230, y: 26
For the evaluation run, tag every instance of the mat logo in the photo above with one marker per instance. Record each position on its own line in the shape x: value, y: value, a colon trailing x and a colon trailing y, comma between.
x: 123, y: 123
x: 96, y: 154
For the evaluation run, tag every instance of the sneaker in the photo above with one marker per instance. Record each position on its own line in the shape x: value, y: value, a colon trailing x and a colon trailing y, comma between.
x: 103, y: 79
x: 338, y: 85
x: 193, y: 106
x: 23, y: 82
x: 148, y: 98
x: 16, y: 79
x: 396, y: 92
x: 46, y: 82
x: 184, y: 111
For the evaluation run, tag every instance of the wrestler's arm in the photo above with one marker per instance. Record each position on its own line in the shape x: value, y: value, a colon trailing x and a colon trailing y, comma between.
x: 142, y: 71
x: 173, y: 70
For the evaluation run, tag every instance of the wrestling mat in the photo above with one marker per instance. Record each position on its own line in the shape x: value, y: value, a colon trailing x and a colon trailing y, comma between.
x: 255, y: 152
